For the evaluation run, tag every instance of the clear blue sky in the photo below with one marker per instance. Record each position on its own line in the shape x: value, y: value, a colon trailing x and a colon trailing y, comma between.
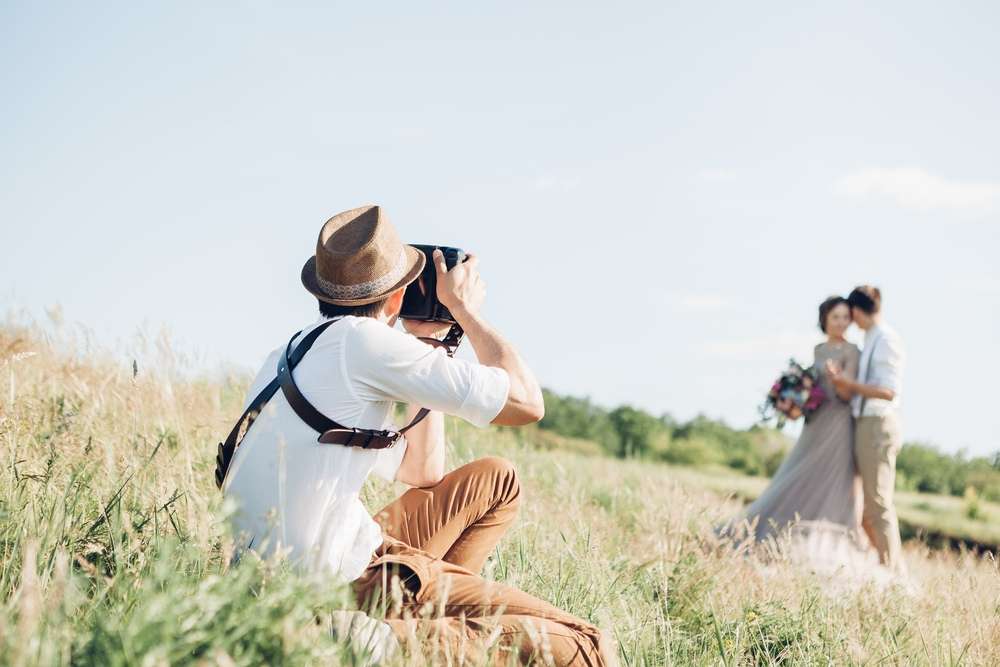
x: 661, y: 195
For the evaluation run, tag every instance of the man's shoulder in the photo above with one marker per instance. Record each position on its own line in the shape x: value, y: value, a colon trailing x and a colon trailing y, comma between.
x: 370, y: 328
x: 267, y: 372
x: 890, y: 334
x: 890, y: 342
x: 367, y: 336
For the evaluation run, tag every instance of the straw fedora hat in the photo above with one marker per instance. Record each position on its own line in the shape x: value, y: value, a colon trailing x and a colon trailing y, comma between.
x: 359, y: 259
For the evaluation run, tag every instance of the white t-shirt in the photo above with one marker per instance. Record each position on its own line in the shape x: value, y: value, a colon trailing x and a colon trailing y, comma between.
x: 298, y: 496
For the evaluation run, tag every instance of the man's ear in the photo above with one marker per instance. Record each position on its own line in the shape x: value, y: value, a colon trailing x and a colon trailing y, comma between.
x: 394, y: 304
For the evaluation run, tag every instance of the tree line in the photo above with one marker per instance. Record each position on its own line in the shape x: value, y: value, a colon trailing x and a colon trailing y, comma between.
x: 628, y: 432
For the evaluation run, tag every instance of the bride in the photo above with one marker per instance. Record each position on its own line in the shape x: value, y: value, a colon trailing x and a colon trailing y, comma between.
x: 816, y: 493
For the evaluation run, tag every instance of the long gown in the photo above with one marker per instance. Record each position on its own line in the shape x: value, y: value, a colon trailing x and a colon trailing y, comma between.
x: 810, y: 514
x: 817, y: 484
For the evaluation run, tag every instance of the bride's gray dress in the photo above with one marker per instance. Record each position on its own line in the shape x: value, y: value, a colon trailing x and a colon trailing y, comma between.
x: 817, y: 486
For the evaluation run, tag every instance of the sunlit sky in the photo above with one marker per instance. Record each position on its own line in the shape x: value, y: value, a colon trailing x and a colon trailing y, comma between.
x: 660, y: 195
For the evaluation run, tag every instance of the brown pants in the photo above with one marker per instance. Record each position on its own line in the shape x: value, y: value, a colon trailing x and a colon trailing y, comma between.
x: 877, y: 442
x: 436, y: 541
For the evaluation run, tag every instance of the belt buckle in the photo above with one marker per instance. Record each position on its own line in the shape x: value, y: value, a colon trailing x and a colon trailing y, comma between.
x: 393, y: 437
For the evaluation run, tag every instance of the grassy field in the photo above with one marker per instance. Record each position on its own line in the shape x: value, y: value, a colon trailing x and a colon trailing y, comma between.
x: 922, y: 515
x: 112, y: 544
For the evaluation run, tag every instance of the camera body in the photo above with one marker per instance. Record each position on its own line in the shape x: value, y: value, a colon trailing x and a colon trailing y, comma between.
x: 420, y: 300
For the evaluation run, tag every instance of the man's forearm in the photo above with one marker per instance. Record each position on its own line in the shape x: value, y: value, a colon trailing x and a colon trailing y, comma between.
x: 870, y: 390
x: 492, y: 349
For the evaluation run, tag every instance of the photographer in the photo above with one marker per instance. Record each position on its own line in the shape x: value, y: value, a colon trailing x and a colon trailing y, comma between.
x: 299, y: 495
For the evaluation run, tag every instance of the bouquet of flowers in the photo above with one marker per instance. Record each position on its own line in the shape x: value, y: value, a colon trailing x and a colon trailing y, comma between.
x: 797, y: 393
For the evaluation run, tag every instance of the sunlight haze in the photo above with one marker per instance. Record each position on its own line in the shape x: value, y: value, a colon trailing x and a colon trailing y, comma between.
x: 660, y: 195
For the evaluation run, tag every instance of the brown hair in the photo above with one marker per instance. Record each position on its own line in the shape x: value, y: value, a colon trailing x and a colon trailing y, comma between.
x: 829, y: 304
x: 366, y: 310
x: 867, y: 298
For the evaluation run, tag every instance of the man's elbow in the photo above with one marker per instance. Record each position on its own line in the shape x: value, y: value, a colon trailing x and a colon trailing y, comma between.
x: 532, y: 406
x: 423, y: 480
x: 534, y: 412
x: 428, y: 481
x: 521, y: 414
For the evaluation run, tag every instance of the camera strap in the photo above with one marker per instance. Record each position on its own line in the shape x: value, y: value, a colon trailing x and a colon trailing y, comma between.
x: 450, y: 342
x: 330, y: 431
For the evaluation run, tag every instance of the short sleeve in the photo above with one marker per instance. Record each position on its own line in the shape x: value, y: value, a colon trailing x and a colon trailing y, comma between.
x: 384, y: 364
x: 887, y: 362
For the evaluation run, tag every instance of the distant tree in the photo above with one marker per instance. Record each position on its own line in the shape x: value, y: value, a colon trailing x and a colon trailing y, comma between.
x: 578, y: 418
x: 669, y: 423
x: 635, y: 429
x: 627, y: 431
x: 737, y: 449
x: 923, y: 467
x: 926, y: 469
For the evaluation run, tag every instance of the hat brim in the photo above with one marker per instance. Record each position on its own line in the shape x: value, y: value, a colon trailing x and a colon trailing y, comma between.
x: 414, y: 258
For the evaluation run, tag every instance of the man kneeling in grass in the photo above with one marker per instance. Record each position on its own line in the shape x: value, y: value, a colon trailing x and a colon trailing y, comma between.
x: 299, y: 495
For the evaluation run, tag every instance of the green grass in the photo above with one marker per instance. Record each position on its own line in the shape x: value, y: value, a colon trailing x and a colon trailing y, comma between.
x: 113, y: 544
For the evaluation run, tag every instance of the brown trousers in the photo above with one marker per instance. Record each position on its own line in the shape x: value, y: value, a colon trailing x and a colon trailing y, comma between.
x: 876, y: 443
x: 436, y: 540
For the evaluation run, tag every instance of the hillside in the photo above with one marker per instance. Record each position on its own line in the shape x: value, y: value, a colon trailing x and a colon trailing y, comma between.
x: 946, y: 499
x: 112, y: 544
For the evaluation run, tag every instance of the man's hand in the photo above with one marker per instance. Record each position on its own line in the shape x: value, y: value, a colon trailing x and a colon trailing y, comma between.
x: 460, y: 290
x: 841, y: 384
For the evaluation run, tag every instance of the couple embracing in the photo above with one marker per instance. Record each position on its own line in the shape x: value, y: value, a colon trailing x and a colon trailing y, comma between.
x: 841, y: 473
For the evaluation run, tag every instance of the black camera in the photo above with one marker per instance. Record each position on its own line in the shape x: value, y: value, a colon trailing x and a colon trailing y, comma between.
x: 420, y: 300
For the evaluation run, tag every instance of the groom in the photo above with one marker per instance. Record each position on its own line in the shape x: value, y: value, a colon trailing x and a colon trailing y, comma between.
x: 877, y: 434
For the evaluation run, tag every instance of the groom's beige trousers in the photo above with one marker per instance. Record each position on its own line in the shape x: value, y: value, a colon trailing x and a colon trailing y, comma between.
x: 877, y: 442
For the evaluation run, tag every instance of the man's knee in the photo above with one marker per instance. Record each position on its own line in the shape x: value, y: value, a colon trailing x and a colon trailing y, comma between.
x: 501, y: 475
x: 877, y: 501
x: 578, y: 648
x: 878, y: 512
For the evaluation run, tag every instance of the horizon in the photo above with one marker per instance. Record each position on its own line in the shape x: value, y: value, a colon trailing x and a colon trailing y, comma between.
x: 660, y: 196
x: 146, y: 349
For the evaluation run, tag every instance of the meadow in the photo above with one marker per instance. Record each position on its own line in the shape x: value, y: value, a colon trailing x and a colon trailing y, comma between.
x: 113, y: 543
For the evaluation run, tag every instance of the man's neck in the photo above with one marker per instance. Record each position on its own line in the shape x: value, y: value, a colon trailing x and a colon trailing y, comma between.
x: 872, y: 328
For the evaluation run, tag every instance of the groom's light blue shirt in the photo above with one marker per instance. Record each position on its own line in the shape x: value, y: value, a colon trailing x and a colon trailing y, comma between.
x: 881, y: 365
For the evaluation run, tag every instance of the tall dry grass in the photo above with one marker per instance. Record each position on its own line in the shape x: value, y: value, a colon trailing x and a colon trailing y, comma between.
x: 112, y: 544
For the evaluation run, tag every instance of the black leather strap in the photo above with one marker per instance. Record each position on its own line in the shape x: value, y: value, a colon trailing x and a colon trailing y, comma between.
x: 227, y: 449
x: 302, y: 407
x: 450, y: 342
x: 330, y: 431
